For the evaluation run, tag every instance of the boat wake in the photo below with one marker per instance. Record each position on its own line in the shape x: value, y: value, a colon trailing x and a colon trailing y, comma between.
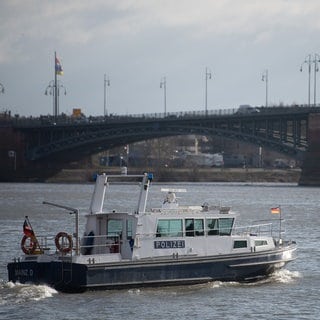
x: 16, y: 293
x: 284, y: 276
x: 279, y: 276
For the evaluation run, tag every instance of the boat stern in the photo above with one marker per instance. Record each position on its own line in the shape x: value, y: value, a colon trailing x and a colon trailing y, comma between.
x: 61, y: 275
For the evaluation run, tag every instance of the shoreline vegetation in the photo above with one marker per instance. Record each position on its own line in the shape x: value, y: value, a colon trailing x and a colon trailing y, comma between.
x: 185, y: 175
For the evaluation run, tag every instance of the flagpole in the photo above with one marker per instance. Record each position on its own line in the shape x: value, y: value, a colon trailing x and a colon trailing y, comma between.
x: 105, y: 96
x: 34, y: 235
x: 280, y: 231
x: 55, y: 87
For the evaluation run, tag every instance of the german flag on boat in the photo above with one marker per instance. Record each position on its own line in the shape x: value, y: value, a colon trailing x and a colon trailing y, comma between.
x: 29, y: 242
x: 27, y: 229
x: 275, y: 210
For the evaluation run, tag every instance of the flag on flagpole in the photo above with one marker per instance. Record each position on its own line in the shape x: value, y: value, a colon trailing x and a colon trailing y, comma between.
x: 275, y: 210
x: 58, y: 67
x: 27, y: 229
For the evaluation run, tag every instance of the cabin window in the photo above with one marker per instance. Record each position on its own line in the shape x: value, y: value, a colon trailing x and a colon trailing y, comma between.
x: 129, y: 229
x: 225, y: 226
x: 258, y: 243
x: 212, y: 227
x: 169, y: 228
x: 240, y: 244
x: 194, y: 227
x: 114, y: 228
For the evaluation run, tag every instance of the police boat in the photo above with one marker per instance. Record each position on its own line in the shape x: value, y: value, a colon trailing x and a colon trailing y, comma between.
x: 169, y: 245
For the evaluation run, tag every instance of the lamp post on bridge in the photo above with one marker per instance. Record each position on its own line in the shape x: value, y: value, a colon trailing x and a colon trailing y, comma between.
x: 105, y: 84
x: 265, y: 77
x: 55, y: 85
x: 316, y: 69
x: 53, y: 89
x: 208, y: 76
x: 163, y: 84
x: 309, y: 60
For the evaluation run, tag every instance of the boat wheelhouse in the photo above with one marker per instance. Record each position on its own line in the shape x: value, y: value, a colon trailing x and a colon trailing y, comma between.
x: 168, y: 245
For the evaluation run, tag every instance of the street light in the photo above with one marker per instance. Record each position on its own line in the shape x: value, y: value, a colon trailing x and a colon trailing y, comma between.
x: 105, y: 84
x: 53, y: 89
x: 1, y: 88
x: 208, y: 76
x: 265, y: 77
x: 55, y: 85
x: 163, y: 84
x: 308, y: 61
x: 316, y: 69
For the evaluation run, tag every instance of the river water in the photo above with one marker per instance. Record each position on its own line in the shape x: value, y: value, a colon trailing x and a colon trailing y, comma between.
x: 292, y: 293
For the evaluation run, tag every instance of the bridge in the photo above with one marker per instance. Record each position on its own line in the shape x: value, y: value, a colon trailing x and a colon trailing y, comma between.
x: 290, y: 130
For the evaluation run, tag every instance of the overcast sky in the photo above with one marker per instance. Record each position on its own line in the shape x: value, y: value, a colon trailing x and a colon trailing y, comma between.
x: 138, y: 42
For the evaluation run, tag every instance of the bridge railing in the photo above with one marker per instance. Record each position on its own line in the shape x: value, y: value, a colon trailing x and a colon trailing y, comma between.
x: 182, y: 114
x: 69, y: 120
x: 63, y: 119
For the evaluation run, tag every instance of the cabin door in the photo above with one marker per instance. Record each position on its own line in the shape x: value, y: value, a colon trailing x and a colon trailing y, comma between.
x: 114, y: 235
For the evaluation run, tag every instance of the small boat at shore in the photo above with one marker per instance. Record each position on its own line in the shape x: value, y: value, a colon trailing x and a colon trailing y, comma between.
x: 169, y: 245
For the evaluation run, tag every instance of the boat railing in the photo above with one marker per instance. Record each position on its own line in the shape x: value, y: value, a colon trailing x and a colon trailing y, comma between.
x: 46, y: 243
x: 88, y: 244
x: 100, y: 244
x: 104, y: 244
x: 265, y: 229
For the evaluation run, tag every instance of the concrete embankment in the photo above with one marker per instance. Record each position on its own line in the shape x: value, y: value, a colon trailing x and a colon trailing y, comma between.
x: 187, y: 175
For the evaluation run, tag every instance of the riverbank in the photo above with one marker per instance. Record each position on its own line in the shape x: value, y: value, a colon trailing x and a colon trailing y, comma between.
x: 187, y: 175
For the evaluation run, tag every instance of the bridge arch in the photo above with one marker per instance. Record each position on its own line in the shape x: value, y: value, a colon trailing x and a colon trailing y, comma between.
x: 280, y: 131
x: 28, y: 143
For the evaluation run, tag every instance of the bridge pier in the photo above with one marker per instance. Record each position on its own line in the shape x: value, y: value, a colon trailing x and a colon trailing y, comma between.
x: 11, y: 152
x: 310, y: 175
x: 14, y: 167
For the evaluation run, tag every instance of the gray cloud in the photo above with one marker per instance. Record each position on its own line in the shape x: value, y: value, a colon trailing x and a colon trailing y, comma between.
x: 136, y: 42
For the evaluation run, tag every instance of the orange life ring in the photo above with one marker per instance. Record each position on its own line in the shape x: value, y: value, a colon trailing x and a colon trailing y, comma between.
x: 63, y: 242
x: 28, y: 247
